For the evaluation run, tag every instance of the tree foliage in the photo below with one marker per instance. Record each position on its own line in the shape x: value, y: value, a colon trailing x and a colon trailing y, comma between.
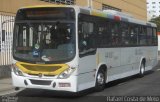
x: 156, y: 21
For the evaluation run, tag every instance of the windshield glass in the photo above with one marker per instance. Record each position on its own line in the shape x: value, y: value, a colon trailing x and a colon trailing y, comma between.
x: 44, y: 41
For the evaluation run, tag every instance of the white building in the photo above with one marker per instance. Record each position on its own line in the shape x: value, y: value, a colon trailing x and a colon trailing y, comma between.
x: 153, y: 8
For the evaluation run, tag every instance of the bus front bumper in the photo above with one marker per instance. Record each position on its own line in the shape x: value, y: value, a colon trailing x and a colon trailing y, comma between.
x: 69, y: 84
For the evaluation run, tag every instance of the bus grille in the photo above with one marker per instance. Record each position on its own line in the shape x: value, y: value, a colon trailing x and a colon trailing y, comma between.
x: 40, y: 82
x: 43, y: 75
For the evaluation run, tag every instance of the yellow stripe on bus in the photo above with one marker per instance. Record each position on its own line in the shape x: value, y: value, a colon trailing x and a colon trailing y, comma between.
x: 62, y: 67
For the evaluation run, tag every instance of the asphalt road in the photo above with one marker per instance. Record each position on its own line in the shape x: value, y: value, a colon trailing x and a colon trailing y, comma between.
x: 149, y: 85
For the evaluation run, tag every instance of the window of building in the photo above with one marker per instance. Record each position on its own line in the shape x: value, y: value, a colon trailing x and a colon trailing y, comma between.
x: 153, y: 16
x: 153, y: 2
x: 154, y: 11
x: 153, y: 7
x: 107, y: 7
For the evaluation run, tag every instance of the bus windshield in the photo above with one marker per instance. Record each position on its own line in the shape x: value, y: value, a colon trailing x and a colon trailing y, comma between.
x: 46, y: 41
x: 44, y: 35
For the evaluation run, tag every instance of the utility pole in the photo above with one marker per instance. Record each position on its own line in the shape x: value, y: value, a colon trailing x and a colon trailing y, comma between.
x: 90, y: 4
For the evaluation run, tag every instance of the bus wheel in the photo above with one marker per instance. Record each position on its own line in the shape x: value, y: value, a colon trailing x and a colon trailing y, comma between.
x: 142, y: 69
x: 100, y: 80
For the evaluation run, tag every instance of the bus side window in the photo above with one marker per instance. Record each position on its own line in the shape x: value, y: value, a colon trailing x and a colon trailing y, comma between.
x: 85, y: 34
x: 154, y: 38
x: 142, y: 35
x: 103, y: 36
x: 115, y: 31
x: 125, y: 33
x: 134, y: 35
x: 149, y: 35
x: 82, y: 37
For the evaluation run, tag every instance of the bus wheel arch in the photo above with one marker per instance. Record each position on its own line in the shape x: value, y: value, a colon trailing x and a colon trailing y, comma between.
x: 100, y: 78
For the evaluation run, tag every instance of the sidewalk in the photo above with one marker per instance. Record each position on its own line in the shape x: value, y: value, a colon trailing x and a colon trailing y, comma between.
x: 6, y: 86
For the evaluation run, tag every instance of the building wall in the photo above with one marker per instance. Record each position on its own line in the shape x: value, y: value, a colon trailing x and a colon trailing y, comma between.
x: 11, y: 6
x: 135, y: 7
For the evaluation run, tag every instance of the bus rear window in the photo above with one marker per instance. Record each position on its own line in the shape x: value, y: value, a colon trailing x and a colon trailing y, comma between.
x: 46, y: 14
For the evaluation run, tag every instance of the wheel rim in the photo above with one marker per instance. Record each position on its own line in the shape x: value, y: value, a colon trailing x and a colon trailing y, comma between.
x: 142, y: 69
x: 100, y: 78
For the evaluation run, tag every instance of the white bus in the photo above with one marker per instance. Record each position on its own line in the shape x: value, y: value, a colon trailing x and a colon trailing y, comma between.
x: 70, y: 48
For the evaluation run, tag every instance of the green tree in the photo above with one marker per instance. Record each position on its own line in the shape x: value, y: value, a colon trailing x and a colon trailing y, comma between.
x: 156, y: 21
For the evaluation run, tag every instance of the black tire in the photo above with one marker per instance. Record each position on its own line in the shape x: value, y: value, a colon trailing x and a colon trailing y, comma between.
x: 142, y: 70
x: 100, y: 80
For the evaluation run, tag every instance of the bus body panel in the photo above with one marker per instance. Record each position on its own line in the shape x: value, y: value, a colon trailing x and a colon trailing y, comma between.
x: 120, y: 61
x: 18, y: 81
x: 129, y: 64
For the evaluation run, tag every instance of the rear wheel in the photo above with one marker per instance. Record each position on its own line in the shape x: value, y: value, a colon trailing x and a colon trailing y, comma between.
x: 100, y: 80
x: 142, y: 69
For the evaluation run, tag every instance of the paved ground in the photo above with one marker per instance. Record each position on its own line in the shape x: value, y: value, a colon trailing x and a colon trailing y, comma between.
x: 6, y: 86
x: 149, y: 85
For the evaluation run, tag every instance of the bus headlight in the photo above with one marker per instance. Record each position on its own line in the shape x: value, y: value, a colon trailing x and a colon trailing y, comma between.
x: 65, y: 74
x: 17, y: 71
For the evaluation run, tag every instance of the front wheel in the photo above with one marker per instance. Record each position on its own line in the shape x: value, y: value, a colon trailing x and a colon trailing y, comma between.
x: 100, y: 80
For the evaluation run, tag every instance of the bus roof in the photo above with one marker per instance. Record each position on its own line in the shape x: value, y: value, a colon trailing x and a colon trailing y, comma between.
x: 45, y: 6
x: 99, y: 13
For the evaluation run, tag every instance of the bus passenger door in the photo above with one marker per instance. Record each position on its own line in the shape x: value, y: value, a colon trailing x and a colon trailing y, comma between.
x: 87, y: 56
